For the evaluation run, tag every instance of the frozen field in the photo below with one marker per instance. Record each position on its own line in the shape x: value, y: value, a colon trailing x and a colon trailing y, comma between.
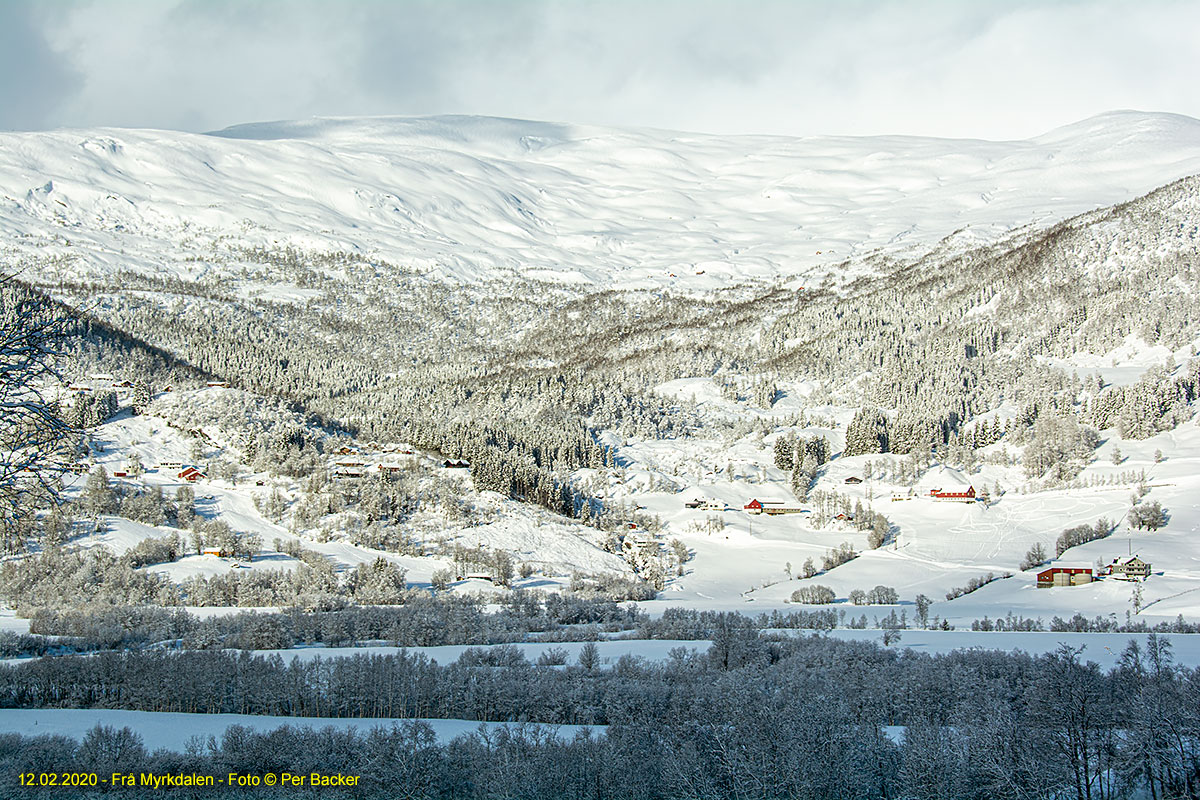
x: 174, y: 731
x: 1103, y: 648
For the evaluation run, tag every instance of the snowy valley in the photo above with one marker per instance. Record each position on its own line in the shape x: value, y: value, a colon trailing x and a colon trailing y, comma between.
x: 691, y: 379
x: 494, y: 390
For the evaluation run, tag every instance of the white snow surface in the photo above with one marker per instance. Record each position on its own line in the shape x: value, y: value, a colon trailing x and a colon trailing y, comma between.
x: 608, y: 651
x: 469, y: 198
x: 173, y: 730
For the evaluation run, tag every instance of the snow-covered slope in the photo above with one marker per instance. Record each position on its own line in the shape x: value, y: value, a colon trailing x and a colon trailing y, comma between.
x: 468, y: 198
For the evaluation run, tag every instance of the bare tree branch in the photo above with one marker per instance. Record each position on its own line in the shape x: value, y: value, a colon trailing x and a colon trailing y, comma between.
x: 33, y: 436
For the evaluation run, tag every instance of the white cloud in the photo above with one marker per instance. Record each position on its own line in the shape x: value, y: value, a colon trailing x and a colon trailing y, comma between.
x: 967, y: 69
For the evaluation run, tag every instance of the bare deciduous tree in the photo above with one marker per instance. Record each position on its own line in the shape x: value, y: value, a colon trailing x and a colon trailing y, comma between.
x: 33, y: 436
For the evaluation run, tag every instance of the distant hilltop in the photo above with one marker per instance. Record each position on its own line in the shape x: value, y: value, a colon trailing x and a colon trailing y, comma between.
x: 470, y: 199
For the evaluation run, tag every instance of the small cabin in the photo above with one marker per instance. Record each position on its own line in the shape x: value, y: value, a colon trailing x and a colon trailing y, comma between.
x: 218, y: 384
x: 853, y: 479
x: 753, y: 507
x: 456, y: 463
x: 1064, y: 576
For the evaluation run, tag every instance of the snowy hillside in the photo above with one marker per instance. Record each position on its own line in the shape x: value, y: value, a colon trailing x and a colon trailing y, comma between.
x: 295, y: 301
x: 470, y: 198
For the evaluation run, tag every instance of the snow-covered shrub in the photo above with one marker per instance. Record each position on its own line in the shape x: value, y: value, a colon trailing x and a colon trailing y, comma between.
x: 1081, y: 534
x: 816, y: 594
x: 975, y: 583
x: 1149, y: 516
x: 839, y: 555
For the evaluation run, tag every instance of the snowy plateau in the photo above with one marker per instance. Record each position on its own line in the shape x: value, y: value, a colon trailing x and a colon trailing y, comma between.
x: 488, y: 358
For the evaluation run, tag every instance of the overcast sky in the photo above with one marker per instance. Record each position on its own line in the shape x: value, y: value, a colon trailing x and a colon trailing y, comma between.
x: 948, y: 68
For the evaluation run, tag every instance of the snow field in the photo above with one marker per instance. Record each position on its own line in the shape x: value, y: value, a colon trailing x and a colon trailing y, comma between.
x: 472, y: 198
x: 176, y: 731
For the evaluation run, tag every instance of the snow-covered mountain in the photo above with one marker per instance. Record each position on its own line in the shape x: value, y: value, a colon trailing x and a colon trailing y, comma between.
x: 474, y: 198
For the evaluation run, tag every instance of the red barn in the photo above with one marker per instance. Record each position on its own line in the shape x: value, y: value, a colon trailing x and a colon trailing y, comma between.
x: 754, y: 507
x: 1064, y: 576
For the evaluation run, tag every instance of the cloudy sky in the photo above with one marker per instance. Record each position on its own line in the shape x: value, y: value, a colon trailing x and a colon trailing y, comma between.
x: 969, y: 68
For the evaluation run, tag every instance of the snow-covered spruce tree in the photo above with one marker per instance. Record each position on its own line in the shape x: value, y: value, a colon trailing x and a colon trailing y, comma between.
x: 142, y: 396
x: 98, y: 496
x: 784, y: 452
x: 866, y: 433
x: 185, y: 506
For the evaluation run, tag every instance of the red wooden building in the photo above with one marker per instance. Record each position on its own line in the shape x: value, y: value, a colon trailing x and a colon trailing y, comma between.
x: 771, y: 507
x: 1064, y: 576
x: 938, y: 494
x: 190, y: 474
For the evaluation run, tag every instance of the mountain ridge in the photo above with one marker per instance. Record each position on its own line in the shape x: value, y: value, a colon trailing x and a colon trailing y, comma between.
x: 472, y: 199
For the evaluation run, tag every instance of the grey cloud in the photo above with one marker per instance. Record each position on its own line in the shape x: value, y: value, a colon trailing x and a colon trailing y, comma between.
x: 34, y: 80
x: 990, y: 69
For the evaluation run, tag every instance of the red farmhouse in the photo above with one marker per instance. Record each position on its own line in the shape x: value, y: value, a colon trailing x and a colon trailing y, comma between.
x: 191, y: 475
x: 969, y: 494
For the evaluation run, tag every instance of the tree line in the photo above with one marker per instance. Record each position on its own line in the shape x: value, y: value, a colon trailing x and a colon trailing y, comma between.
x: 752, y: 716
